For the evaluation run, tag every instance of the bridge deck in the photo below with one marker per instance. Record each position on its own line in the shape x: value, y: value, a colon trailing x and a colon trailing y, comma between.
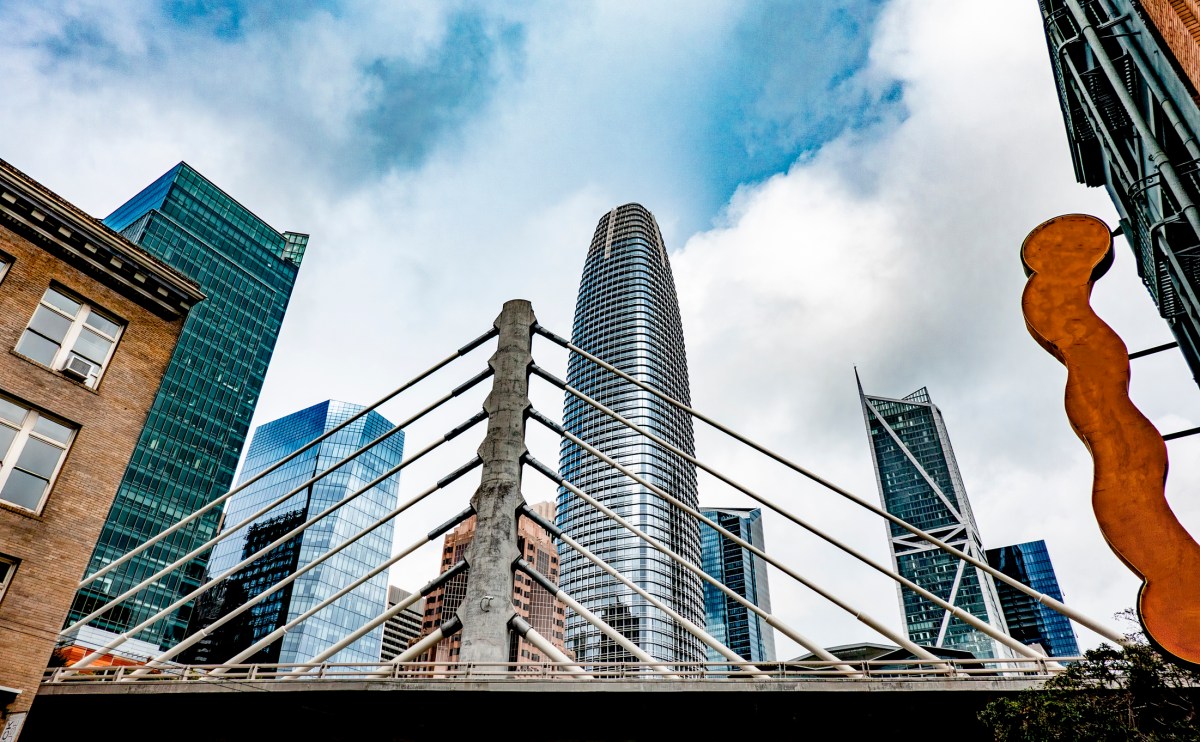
x: 528, y: 709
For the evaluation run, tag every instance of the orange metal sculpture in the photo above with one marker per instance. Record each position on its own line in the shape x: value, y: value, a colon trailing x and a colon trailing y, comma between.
x: 1063, y: 257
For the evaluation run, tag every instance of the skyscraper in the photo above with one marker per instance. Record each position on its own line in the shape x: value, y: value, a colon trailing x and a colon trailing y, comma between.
x: 628, y: 314
x: 188, y: 451
x: 1028, y: 620
x: 731, y: 623
x: 530, y: 600
x: 402, y: 628
x: 273, y: 441
x: 1128, y: 72
x: 919, y: 481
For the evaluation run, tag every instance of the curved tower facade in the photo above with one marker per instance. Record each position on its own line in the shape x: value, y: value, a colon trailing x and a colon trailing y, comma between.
x: 628, y: 315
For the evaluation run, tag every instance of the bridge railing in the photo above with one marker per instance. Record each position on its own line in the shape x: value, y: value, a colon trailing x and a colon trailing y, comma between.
x: 800, y: 670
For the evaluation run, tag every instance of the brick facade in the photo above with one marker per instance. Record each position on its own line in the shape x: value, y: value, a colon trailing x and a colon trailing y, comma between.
x: 53, y: 546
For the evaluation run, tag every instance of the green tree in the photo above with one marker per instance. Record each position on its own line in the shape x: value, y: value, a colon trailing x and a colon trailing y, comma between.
x: 1129, y: 693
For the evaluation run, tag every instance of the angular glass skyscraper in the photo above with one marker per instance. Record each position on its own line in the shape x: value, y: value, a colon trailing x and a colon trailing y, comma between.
x: 628, y: 314
x: 920, y: 482
x: 1028, y: 620
x: 731, y: 623
x: 273, y: 441
x: 189, y: 449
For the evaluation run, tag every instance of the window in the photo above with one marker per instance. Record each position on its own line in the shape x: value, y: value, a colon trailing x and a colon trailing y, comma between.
x: 68, y: 335
x: 8, y: 566
x: 32, y: 448
x: 5, y: 261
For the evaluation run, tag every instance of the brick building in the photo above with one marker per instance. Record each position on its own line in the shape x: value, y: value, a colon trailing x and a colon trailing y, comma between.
x: 530, y: 600
x: 88, y: 322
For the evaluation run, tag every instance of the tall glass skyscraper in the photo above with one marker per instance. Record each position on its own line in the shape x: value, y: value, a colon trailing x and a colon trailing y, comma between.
x: 1028, y: 620
x: 189, y: 449
x: 919, y: 481
x: 731, y: 623
x: 273, y: 441
x: 628, y: 314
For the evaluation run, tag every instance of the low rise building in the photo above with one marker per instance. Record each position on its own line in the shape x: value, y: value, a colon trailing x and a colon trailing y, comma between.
x: 88, y: 323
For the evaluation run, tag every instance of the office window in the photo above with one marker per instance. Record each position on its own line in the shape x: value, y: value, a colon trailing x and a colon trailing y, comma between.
x: 68, y: 335
x: 32, y: 448
x: 8, y: 566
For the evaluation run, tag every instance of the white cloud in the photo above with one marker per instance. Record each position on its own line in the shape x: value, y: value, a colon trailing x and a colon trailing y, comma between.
x: 896, y: 249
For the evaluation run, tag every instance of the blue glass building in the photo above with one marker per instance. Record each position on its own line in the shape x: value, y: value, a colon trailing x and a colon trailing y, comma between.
x: 188, y: 450
x: 919, y: 481
x: 731, y: 623
x: 628, y: 314
x: 273, y: 441
x: 1029, y: 621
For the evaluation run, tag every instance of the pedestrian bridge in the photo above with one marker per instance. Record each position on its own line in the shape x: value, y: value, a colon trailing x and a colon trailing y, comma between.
x: 486, y: 693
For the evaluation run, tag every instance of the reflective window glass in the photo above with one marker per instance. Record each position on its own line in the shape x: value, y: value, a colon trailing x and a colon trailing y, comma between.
x: 103, y: 324
x: 23, y: 489
x: 47, y: 427
x: 59, y: 301
x: 37, y: 347
x: 31, y: 449
x: 62, y: 328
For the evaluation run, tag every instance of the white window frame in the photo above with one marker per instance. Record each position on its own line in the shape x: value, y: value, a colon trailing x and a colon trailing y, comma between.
x: 66, y: 349
x: 5, y: 264
x: 7, y: 578
x: 8, y: 462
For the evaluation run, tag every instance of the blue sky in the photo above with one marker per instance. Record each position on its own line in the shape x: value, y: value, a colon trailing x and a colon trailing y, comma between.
x: 839, y: 184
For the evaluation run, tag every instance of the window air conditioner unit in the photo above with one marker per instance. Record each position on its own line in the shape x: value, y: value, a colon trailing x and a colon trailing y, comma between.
x: 78, y: 367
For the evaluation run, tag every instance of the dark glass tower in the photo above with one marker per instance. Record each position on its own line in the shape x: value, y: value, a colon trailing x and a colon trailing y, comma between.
x: 1028, y: 620
x: 272, y: 441
x: 1127, y: 88
x: 628, y: 315
x: 919, y: 481
x: 731, y: 623
x: 189, y: 449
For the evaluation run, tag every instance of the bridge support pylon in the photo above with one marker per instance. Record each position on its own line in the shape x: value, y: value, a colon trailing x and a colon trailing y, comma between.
x: 487, y: 608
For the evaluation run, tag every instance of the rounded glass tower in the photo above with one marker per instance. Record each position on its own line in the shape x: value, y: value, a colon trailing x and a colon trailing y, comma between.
x: 628, y: 315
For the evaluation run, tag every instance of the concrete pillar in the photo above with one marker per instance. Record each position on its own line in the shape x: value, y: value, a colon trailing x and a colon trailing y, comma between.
x: 487, y: 607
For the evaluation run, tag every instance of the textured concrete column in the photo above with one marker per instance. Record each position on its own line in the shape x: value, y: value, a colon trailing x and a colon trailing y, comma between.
x: 487, y: 607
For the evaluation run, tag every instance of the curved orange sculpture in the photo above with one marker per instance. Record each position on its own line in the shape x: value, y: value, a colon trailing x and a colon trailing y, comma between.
x: 1063, y: 257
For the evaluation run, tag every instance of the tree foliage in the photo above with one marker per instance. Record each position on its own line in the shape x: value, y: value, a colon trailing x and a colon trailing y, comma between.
x: 1129, y: 693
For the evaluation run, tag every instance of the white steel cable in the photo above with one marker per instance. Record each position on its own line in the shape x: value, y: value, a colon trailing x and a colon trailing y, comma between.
x: 293, y: 623
x: 590, y: 617
x: 267, y: 640
x: 791, y: 633
x: 197, y: 513
x: 226, y: 533
x: 959, y: 613
x: 530, y: 634
x: 379, y: 620
x: 692, y: 628
x: 121, y: 639
x: 871, y: 622
x: 1042, y: 598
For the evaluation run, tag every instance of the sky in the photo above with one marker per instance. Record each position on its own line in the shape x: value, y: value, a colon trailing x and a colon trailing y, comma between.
x: 840, y: 185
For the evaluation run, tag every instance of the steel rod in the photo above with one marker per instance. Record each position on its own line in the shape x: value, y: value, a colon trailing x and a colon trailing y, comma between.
x: 270, y: 638
x: 588, y: 616
x: 381, y: 619
x: 808, y: 644
x: 871, y: 622
x: 692, y: 628
x: 88, y: 659
x: 226, y: 533
x: 324, y: 436
x: 1054, y: 604
x: 530, y: 634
